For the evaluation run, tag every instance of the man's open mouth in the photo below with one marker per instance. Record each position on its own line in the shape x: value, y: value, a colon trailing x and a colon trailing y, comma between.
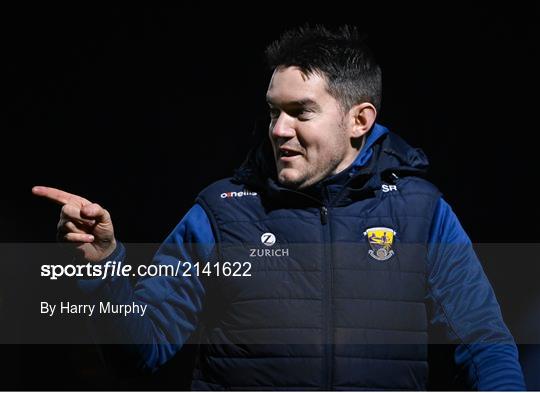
x: 287, y: 153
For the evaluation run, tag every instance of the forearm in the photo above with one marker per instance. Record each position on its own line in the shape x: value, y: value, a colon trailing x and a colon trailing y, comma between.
x: 171, y: 306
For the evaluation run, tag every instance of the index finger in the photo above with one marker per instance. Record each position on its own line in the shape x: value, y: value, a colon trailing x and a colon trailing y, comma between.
x: 59, y: 196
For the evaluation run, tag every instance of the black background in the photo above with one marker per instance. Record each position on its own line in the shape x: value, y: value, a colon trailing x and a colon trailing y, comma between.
x: 138, y: 109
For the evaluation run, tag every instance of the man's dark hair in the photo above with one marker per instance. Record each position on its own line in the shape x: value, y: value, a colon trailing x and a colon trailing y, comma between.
x: 341, y: 57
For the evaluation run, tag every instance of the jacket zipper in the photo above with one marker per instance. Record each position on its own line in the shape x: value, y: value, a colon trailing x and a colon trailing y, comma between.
x: 328, y: 317
x: 328, y: 340
x: 324, y: 215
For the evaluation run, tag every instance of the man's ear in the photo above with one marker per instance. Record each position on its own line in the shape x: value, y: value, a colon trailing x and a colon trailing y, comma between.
x: 362, y: 117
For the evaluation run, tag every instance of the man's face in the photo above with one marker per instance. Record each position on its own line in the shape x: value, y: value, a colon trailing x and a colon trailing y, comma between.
x: 308, y: 129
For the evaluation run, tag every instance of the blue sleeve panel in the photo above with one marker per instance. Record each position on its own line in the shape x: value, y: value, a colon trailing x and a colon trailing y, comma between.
x: 174, y: 303
x: 464, y: 309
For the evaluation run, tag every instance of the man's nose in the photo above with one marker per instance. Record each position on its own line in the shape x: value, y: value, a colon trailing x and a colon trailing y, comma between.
x: 283, y: 126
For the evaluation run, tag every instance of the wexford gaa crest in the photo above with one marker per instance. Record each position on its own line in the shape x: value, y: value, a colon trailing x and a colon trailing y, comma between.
x: 380, y: 240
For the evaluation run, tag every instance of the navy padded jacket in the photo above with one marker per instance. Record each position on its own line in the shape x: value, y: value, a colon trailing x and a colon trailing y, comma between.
x: 327, y: 315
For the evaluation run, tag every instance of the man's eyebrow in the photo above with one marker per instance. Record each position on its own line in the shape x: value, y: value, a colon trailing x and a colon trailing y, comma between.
x: 302, y: 102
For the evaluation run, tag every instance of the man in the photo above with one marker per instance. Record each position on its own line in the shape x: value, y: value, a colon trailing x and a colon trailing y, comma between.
x: 362, y: 264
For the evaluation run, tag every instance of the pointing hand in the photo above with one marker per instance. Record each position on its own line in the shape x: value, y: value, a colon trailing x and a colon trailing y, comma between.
x: 83, y: 223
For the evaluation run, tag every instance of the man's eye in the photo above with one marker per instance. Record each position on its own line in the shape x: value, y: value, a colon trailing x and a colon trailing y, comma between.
x: 274, y: 113
x: 302, y: 114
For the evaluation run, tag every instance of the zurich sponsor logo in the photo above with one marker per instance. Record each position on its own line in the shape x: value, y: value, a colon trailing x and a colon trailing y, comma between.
x: 268, y: 239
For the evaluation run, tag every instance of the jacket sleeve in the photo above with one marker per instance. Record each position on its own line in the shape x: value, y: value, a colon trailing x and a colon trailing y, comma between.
x: 173, y: 303
x: 464, y: 310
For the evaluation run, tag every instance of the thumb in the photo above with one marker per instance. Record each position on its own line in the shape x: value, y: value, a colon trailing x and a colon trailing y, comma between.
x: 95, y: 211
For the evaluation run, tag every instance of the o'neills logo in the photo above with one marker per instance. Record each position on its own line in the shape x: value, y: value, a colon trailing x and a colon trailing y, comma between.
x: 237, y: 194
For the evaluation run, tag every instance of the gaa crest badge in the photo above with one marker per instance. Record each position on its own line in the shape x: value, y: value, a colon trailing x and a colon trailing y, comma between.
x: 380, y: 240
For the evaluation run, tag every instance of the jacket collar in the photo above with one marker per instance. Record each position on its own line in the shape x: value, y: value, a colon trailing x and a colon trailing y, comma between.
x: 384, y: 158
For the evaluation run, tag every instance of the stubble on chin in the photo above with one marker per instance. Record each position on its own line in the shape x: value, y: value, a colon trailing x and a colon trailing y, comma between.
x: 288, y: 181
